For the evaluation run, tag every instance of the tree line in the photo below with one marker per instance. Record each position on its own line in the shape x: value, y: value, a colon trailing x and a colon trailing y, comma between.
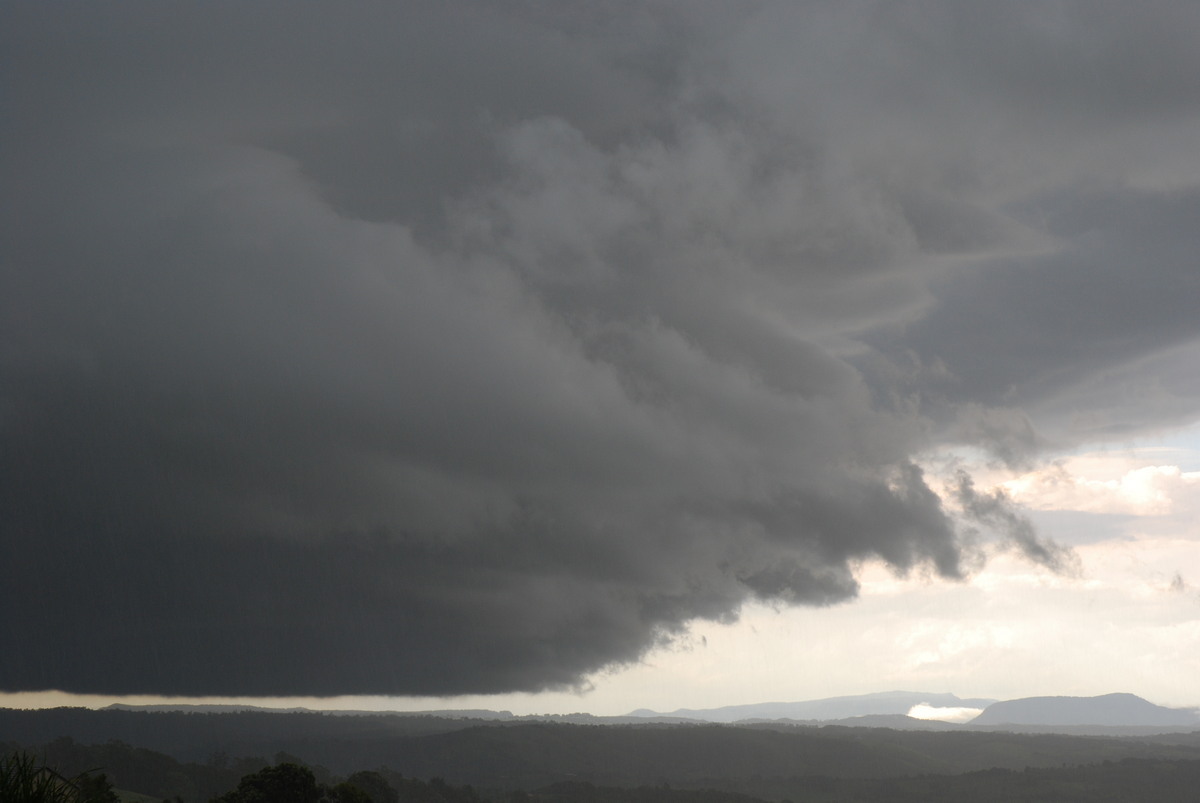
x: 27, y: 777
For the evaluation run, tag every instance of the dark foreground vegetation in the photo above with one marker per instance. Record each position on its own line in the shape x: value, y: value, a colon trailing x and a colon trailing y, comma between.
x: 196, y: 758
x: 25, y: 780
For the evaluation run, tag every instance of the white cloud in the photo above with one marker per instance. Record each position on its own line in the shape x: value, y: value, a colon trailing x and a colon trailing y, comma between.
x: 944, y: 714
x: 1108, y: 483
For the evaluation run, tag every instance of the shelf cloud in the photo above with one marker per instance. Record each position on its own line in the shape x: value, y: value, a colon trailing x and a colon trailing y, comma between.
x: 429, y: 349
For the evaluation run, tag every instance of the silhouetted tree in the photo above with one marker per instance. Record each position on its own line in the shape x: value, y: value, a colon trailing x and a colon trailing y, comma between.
x: 347, y: 793
x: 94, y: 789
x: 375, y: 786
x: 283, y: 783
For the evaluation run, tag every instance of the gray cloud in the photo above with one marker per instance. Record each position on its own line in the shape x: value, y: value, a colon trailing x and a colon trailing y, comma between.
x: 473, y: 349
x: 1022, y: 332
x: 998, y: 511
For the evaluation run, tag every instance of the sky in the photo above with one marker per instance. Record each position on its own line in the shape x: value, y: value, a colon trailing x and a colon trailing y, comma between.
x: 598, y: 356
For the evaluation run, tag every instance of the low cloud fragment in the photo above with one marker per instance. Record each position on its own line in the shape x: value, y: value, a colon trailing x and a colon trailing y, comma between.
x: 998, y: 511
x: 958, y: 714
x: 1178, y: 584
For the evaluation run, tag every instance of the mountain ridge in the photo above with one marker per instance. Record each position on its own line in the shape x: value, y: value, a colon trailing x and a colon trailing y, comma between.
x: 1119, y: 709
x: 879, y: 709
x: 827, y: 708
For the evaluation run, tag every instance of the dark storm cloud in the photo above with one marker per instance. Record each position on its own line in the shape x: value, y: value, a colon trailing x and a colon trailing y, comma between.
x: 472, y: 348
x: 1022, y: 332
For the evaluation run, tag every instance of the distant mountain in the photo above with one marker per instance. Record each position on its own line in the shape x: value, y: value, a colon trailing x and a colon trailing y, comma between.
x: 895, y: 721
x: 204, y: 708
x: 899, y: 722
x: 1122, y: 710
x: 860, y: 705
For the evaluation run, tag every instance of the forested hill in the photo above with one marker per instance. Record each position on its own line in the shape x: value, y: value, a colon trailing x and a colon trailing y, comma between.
x: 1112, y: 710
x: 194, y: 736
x: 148, y: 776
x: 531, y: 755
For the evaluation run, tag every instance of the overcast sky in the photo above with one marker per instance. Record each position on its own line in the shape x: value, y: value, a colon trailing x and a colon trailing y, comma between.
x: 599, y: 355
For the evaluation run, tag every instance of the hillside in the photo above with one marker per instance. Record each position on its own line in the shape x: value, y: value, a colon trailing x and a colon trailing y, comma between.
x: 1112, y: 710
x: 530, y: 755
x: 158, y: 777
